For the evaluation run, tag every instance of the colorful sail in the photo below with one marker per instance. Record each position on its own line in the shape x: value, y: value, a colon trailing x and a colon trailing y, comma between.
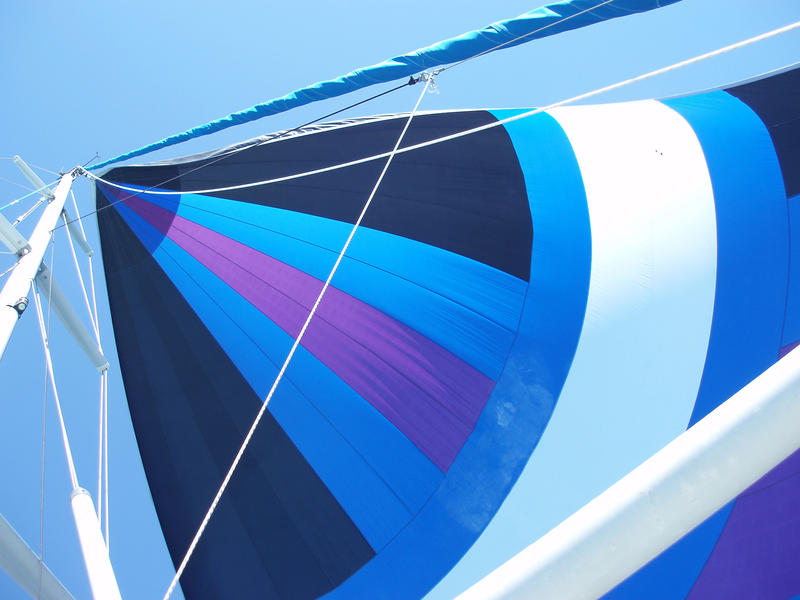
x: 553, y: 18
x: 526, y: 313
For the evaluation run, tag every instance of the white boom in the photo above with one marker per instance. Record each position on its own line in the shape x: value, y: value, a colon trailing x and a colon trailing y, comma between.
x: 663, y: 499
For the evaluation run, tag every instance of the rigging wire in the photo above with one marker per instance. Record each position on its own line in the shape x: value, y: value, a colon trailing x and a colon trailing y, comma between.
x: 16, y: 183
x: 28, y: 195
x: 45, y: 169
x: 44, y: 434
x: 102, y: 429
x: 102, y: 447
x: 104, y: 379
x: 8, y: 270
x: 102, y: 458
x: 270, y: 138
x: 28, y: 212
x: 49, y: 360
x: 411, y: 81
x: 244, y: 116
x: 80, y: 279
x: 453, y: 136
x: 292, y: 351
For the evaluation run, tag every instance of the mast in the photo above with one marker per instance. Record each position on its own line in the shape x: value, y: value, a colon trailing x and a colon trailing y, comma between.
x: 14, y: 295
x: 13, y: 303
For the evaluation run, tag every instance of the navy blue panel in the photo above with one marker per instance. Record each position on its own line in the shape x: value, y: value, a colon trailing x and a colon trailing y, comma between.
x: 776, y: 100
x: 791, y: 325
x: 278, y: 532
x: 466, y: 195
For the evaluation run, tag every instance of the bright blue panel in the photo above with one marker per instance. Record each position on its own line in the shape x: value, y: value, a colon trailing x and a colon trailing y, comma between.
x: 526, y: 393
x: 752, y: 244
x: 467, y: 307
x: 147, y: 234
x: 752, y: 264
x: 791, y: 327
x: 337, y: 431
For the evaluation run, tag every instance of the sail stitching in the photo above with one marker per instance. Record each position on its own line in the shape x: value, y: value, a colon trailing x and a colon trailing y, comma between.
x: 297, y: 341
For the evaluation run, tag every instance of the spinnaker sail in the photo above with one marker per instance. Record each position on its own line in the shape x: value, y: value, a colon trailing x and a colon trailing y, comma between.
x: 526, y: 313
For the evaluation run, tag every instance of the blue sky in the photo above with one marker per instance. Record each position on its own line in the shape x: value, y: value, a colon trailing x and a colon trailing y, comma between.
x: 108, y: 77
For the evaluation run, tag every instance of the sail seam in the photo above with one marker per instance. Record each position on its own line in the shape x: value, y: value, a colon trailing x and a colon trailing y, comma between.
x: 286, y: 362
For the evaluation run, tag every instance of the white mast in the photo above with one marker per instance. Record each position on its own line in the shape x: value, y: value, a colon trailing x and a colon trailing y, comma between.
x: 14, y: 295
x: 13, y: 302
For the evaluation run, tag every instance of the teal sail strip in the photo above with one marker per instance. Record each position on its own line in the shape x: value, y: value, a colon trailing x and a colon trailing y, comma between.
x: 544, y: 21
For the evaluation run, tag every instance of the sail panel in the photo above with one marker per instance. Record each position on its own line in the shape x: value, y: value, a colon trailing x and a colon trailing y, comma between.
x: 419, y: 183
x: 169, y: 363
x: 752, y: 239
x: 509, y: 429
x: 791, y: 328
x: 774, y: 101
x: 437, y: 271
x: 460, y: 304
x: 750, y: 294
x: 596, y: 273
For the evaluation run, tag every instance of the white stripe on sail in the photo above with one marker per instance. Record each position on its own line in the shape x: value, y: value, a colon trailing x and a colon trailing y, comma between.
x: 640, y: 357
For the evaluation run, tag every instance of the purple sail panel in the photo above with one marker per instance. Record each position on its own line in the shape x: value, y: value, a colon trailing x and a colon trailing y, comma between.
x: 758, y: 553
x: 428, y: 393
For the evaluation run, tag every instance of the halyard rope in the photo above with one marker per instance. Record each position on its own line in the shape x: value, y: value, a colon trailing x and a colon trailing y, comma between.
x: 296, y: 344
x: 584, y: 96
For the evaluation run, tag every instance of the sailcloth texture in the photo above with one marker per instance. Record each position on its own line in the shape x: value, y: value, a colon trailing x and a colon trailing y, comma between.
x: 527, y: 312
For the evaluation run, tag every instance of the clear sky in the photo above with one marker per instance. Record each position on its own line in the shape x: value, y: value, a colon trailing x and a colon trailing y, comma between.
x: 107, y: 77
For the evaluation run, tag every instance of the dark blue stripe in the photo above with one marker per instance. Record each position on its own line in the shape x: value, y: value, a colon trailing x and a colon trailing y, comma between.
x: 378, y: 476
x: 146, y: 233
x: 278, y: 529
x: 752, y: 265
x: 524, y: 398
x: 791, y: 326
x: 378, y: 484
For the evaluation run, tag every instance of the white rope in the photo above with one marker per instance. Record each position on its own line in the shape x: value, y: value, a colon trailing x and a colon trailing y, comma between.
x: 102, y: 428
x: 46, y: 344
x: 102, y: 435
x: 28, y: 212
x: 41, y: 497
x: 296, y: 344
x: 100, y: 455
x: 83, y: 285
x: 44, y: 438
x: 9, y: 269
x: 75, y: 206
x: 105, y: 454
x: 626, y: 82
